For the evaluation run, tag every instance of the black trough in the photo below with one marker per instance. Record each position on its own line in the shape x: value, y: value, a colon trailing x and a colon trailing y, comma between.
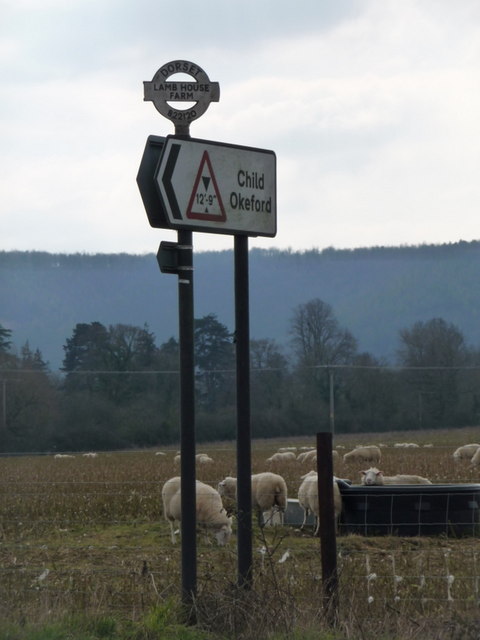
x: 411, y: 510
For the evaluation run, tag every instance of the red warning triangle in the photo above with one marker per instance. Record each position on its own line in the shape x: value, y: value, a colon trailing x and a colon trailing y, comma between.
x: 205, y: 202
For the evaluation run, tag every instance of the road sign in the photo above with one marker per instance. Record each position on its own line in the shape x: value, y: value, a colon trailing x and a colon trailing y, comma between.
x: 199, y: 91
x: 146, y: 184
x: 218, y: 188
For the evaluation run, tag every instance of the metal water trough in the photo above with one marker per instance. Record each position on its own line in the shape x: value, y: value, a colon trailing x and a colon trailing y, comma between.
x: 411, y: 510
x: 294, y: 514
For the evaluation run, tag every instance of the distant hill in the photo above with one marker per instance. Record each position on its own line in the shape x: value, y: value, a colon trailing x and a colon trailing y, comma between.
x: 374, y: 292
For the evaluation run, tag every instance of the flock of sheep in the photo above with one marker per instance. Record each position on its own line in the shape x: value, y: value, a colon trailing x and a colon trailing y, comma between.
x: 269, y: 490
x: 215, y: 506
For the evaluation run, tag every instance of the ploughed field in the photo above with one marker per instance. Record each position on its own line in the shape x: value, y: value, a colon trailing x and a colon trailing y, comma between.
x: 87, y: 534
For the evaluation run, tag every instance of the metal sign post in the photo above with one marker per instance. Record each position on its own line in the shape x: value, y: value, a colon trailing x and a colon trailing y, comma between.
x: 161, y: 91
x: 199, y: 185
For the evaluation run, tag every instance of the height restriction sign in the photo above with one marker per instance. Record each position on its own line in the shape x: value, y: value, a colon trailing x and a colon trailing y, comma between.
x: 216, y: 187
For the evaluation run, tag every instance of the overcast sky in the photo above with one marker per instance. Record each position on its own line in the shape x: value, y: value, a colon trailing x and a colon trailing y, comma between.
x: 371, y: 106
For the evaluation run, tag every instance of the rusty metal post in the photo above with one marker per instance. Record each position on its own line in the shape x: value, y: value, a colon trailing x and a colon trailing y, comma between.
x: 328, y: 542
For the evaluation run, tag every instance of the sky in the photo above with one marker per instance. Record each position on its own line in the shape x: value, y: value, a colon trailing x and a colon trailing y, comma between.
x: 371, y: 107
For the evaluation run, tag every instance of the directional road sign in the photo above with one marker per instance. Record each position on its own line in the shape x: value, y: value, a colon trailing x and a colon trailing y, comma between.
x: 216, y: 187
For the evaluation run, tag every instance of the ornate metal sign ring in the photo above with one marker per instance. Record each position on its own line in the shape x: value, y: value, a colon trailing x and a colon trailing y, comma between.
x: 162, y: 92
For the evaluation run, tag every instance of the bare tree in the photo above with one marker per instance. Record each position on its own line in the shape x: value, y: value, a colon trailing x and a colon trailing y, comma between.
x: 318, y: 338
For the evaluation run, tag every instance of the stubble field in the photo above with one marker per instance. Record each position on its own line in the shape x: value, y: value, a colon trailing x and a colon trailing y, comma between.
x: 87, y: 535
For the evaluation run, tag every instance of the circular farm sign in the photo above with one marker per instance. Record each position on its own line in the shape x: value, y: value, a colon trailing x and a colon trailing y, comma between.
x: 165, y: 91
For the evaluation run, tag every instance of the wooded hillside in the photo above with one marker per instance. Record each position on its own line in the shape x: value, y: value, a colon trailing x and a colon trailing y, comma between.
x: 374, y: 292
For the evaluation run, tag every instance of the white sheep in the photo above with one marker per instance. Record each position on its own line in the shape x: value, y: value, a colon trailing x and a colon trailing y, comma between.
x: 308, y: 498
x: 369, y: 453
x: 406, y: 445
x: 90, y: 454
x: 311, y: 456
x: 269, y: 494
x: 282, y: 456
x: 476, y: 458
x: 375, y: 477
x: 58, y: 456
x: 465, y: 452
x: 305, y: 456
x: 210, y: 514
x: 203, y: 458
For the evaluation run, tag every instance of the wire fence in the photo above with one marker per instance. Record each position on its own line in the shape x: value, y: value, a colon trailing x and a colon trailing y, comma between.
x: 90, y: 534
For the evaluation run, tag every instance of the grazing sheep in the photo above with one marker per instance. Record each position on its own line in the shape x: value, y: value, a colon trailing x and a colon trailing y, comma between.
x: 282, y: 456
x: 308, y: 498
x: 160, y: 453
x: 62, y: 455
x: 476, y: 458
x: 203, y: 458
x: 465, y: 452
x: 375, y: 477
x: 90, y: 454
x: 311, y: 456
x: 370, y: 453
x: 307, y: 456
x: 406, y: 445
x: 210, y: 513
x: 269, y: 494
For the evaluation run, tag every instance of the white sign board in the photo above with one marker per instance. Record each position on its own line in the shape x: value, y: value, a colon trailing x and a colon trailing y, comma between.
x: 216, y: 187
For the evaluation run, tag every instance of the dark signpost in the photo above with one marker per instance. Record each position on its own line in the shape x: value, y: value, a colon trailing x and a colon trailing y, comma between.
x: 199, y: 185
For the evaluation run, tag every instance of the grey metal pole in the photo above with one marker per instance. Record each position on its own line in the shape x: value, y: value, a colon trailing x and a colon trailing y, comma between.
x: 244, y: 463
x: 187, y: 421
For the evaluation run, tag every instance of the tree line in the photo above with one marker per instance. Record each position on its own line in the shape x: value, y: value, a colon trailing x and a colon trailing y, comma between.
x: 118, y: 389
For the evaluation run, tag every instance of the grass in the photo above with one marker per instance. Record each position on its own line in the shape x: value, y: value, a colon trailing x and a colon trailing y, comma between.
x: 85, y: 551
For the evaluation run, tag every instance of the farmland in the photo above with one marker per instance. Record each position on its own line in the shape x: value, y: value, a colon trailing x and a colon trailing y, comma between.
x: 87, y: 535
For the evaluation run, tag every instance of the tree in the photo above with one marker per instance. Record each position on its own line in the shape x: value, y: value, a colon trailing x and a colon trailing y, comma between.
x: 269, y: 389
x: 370, y: 398
x: 434, y: 350
x: 5, y: 342
x: 32, y: 359
x: 103, y: 360
x: 214, y: 360
x: 86, y: 349
x: 318, y: 338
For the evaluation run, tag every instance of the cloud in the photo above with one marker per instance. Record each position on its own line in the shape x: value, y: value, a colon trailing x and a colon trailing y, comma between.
x: 371, y: 108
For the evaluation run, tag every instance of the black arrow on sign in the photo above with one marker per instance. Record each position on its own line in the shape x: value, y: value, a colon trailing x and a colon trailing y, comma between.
x: 167, y: 180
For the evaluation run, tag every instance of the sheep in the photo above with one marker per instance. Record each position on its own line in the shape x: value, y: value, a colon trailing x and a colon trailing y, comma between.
x: 269, y: 494
x: 62, y: 455
x: 406, y: 445
x: 210, y: 513
x: 282, y: 456
x: 203, y: 458
x: 308, y: 498
x: 90, y: 454
x: 306, y: 456
x: 475, y: 461
x: 465, y: 452
x: 375, y: 477
x: 311, y: 456
x: 370, y: 453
